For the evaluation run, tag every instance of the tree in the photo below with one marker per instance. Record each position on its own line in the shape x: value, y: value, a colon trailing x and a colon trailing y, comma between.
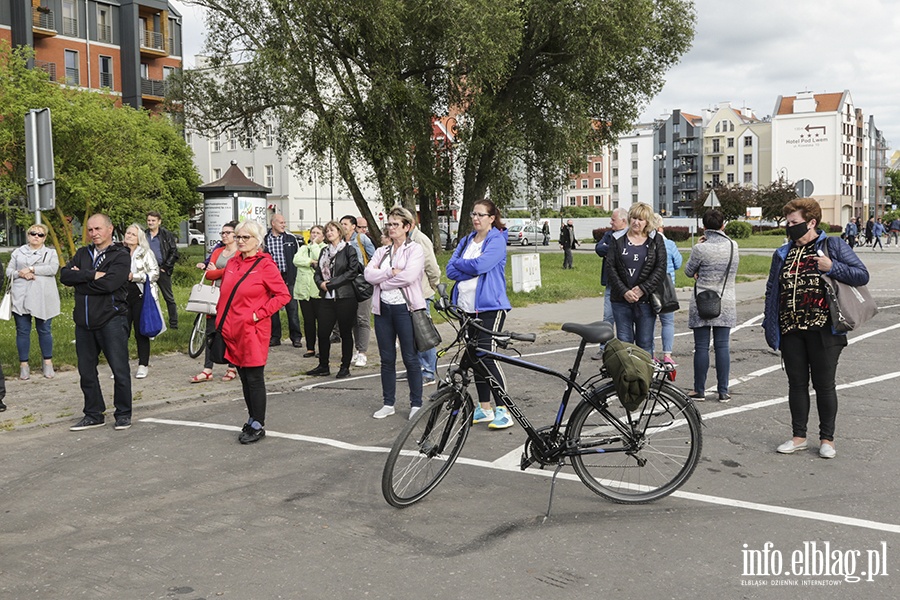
x: 733, y: 199
x: 772, y: 198
x: 535, y: 82
x: 108, y: 158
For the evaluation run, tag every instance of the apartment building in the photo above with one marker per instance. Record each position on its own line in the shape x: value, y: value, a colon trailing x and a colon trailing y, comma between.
x: 678, y: 163
x: 632, y: 166
x: 737, y: 147
x: 591, y: 187
x: 128, y: 47
x: 820, y: 138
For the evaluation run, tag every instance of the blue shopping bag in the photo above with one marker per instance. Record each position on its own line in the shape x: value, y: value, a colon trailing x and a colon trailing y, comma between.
x: 151, y: 324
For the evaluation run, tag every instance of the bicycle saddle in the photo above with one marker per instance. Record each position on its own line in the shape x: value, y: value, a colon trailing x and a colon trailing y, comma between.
x: 593, y: 333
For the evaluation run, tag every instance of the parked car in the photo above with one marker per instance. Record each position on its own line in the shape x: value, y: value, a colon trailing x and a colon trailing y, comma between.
x: 525, y: 235
x: 196, y: 237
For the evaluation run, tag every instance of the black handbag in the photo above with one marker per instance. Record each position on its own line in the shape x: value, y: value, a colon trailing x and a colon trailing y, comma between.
x: 362, y: 289
x: 214, y: 340
x: 709, y: 302
x: 424, y: 330
x: 663, y: 299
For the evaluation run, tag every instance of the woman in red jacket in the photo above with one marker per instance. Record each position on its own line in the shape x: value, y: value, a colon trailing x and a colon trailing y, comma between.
x: 246, y: 327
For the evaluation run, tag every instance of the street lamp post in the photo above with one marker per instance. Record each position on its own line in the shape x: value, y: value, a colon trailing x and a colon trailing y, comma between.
x: 331, y: 183
x: 314, y: 183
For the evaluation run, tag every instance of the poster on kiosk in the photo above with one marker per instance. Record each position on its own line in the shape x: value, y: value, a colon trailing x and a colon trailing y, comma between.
x: 218, y: 211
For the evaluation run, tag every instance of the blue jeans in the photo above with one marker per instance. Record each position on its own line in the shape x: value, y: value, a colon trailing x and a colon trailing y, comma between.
x: 392, y: 324
x: 608, y: 309
x: 112, y: 340
x: 635, y: 323
x: 667, y: 328
x: 428, y: 359
x: 721, y: 337
x: 23, y: 336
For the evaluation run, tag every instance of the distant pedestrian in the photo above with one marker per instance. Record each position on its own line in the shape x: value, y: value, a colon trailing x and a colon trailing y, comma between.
x: 877, y: 232
x: 567, y: 242
x: 894, y: 232
x: 714, y: 264
x: 162, y: 242
x: 850, y: 232
x: 98, y: 273
x: 545, y: 231
x: 870, y: 227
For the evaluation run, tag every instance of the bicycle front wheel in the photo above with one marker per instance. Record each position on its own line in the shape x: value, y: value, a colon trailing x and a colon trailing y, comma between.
x: 197, y: 343
x: 427, y: 447
x: 636, y: 457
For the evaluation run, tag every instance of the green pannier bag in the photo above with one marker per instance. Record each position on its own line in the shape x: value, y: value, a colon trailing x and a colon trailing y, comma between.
x: 631, y: 371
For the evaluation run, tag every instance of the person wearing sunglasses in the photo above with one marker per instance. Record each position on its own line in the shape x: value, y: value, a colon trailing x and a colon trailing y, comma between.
x: 33, y: 269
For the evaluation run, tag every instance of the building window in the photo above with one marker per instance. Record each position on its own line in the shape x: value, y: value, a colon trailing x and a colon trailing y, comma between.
x: 748, y: 177
x: 634, y: 165
x: 232, y: 141
x: 748, y: 159
x: 188, y: 138
x: 216, y: 145
x: 584, y: 184
x: 748, y: 142
x: 730, y: 142
x: 598, y: 167
x: 106, y: 72
x: 715, y: 145
x: 716, y: 181
x: 634, y: 181
x: 730, y: 178
x: 217, y: 174
x: 615, y: 155
x: 72, y: 75
x: 104, y: 24
x: 270, y: 176
x: 584, y: 200
x: 730, y: 160
x: 598, y: 183
x: 270, y: 137
x: 249, y: 172
x: 572, y: 201
x: 718, y: 127
x: 145, y: 71
x: 615, y: 172
x: 634, y: 148
x: 615, y: 188
x: 573, y: 184
x: 634, y: 198
x: 70, y: 18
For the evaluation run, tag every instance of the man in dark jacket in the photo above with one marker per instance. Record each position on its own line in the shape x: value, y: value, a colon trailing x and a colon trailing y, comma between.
x: 567, y: 241
x: 99, y: 273
x: 282, y: 245
x: 162, y: 242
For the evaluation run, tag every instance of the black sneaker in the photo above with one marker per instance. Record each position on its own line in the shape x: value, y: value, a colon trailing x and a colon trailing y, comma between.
x: 320, y: 370
x: 2, y: 406
x: 87, y: 423
x: 273, y: 343
x: 254, y: 435
x: 298, y: 343
x: 342, y: 373
x: 123, y: 423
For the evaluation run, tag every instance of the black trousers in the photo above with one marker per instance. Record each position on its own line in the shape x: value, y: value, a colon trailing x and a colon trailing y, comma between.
x: 567, y: 257
x: 135, y: 305
x: 308, y: 310
x: 165, y: 288
x: 253, y: 382
x: 493, y: 320
x: 343, y: 312
x: 812, y: 354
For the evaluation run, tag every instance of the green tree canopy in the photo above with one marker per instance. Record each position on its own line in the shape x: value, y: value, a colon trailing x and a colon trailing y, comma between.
x: 733, y: 199
x: 772, y: 198
x: 108, y: 158
x: 537, y: 84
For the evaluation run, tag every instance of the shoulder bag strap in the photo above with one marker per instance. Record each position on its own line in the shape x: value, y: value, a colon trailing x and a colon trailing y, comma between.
x: 233, y: 290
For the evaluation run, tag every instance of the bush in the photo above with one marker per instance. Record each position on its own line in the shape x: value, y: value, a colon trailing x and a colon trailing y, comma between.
x: 738, y: 230
x: 824, y: 226
x: 678, y: 234
x: 779, y: 231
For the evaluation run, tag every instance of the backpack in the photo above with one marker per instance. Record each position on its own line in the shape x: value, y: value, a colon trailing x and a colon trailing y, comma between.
x: 631, y: 371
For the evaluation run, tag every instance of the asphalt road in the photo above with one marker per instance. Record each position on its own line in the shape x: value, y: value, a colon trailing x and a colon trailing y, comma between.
x: 176, y: 508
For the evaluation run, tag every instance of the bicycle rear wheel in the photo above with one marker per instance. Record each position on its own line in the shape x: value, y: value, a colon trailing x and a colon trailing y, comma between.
x: 427, y: 447
x: 654, y: 455
x: 197, y: 343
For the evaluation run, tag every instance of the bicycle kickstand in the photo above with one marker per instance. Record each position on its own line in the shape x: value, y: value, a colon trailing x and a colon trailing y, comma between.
x: 556, y: 471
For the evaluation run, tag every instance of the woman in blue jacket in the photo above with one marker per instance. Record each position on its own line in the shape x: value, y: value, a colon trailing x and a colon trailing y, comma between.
x: 478, y: 266
x: 797, y: 319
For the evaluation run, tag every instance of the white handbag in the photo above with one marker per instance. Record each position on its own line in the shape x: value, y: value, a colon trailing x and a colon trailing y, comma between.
x: 203, y: 298
x: 6, y: 304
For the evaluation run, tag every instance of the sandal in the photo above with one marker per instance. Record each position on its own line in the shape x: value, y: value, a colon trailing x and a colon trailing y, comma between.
x: 229, y: 375
x: 201, y: 376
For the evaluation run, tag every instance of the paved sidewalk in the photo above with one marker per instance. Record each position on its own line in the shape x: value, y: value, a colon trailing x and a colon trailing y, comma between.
x: 41, y: 402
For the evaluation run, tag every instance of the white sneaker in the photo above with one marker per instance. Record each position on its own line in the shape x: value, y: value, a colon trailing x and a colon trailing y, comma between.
x: 413, y: 410
x: 384, y: 411
x: 360, y: 360
x: 142, y: 372
x: 827, y: 450
x: 789, y: 447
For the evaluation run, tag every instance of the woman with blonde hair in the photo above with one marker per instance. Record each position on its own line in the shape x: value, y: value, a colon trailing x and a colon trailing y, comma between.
x: 33, y: 268
x: 637, y: 263
x: 396, y: 271
x: 305, y: 290
x: 143, y: 268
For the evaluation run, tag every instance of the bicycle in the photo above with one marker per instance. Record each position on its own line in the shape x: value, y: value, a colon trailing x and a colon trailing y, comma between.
x: 197, y: 342
x: 628, y: 457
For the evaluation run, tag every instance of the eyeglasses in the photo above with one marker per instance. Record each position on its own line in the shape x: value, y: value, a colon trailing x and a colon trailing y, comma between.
x: 392, y: 225
x: 37, y: 234
x: 226, y: 233
x: 474, y: 214
x: 242, y: 238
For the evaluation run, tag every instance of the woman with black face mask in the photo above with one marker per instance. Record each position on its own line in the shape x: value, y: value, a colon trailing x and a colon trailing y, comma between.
x: 797, y: 319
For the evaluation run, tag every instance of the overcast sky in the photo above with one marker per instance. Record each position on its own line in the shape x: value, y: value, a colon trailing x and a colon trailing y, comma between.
x: 752, y: 51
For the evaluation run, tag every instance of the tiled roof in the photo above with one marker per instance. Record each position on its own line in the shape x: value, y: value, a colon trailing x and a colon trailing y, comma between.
x: 824, y: 103
x: 233, y: 180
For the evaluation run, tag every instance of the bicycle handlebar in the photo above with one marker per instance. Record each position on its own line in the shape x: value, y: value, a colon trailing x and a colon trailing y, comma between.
x: 444, y: 305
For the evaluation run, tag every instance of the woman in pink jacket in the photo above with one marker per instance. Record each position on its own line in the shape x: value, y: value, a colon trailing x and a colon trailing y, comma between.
x: 396, y: 271
x: 247, y: 326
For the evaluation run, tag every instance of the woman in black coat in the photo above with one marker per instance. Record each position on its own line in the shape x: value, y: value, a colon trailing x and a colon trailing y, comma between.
x: 338, y: 266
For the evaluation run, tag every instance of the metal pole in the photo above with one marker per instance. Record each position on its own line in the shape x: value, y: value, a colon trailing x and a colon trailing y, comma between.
x: 36, y: 176
x: 331, y: 183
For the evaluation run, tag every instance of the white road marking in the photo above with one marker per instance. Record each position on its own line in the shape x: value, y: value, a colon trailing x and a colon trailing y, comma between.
x: 706, y: 498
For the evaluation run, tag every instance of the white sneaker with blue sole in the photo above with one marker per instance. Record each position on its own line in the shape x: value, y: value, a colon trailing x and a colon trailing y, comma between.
x: 482, y: 416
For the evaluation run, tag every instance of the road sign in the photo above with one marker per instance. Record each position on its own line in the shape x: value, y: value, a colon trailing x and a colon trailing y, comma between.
x: 712, y: 201
x: 39, y: 171
x: 804, y: 188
